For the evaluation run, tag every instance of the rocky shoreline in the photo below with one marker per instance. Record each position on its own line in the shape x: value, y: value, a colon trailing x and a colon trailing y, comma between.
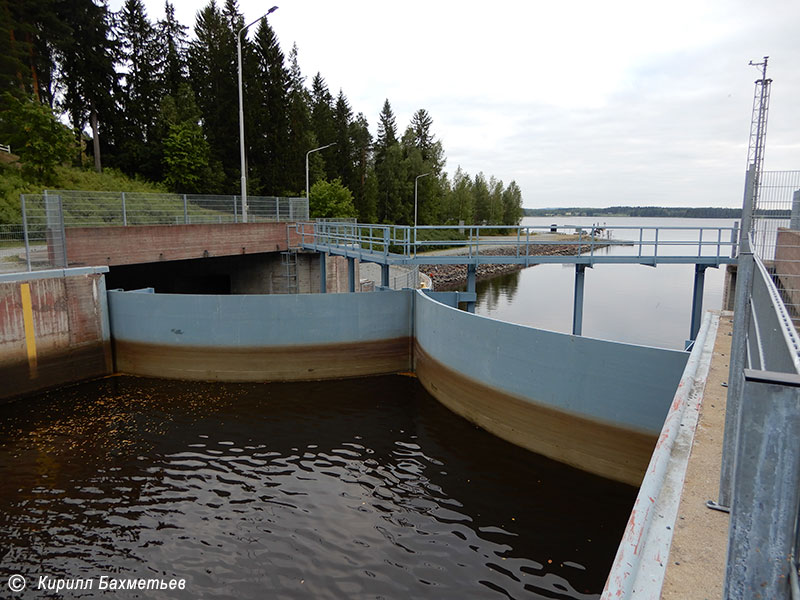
x: 446, y: 277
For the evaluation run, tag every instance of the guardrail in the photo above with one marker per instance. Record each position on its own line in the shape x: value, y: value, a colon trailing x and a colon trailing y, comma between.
x: 649, y: 245
x: 760, y: 472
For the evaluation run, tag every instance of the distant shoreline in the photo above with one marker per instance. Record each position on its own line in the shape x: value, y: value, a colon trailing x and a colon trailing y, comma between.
x: 674, y: 212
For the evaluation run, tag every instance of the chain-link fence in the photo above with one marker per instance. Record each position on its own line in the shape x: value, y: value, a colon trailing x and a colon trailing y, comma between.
x: 38, y: 242
x: 400, y: 276
x: 776, y: 234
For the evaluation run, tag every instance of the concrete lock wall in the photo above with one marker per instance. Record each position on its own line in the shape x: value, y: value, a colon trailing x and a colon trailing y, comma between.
x: 53, y: 329
x: 261, y: 337
x: 593, y: 404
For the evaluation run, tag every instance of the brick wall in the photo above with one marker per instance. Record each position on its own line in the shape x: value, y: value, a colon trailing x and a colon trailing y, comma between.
x: 154, y: 243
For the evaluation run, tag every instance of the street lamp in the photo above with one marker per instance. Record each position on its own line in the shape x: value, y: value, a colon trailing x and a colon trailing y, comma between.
x: 309, y: 152
x: 415, y: 202
x: 241, y: 112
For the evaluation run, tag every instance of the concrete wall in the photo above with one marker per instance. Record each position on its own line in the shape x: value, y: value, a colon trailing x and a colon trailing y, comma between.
x: 154, y: 243
x: 53, y: 329
x: 594, y: 404
x: 261, y: 337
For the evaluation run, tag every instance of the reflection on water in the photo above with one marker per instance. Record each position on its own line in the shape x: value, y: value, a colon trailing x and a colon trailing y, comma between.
x: 351, y: 489
x: 627, y: 303
x: 492, y: 291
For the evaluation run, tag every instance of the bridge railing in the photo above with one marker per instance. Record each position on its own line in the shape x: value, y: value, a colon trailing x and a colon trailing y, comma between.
x: 402, y: 241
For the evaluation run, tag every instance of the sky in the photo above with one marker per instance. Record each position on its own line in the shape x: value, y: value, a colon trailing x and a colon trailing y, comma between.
x: 582, y: 103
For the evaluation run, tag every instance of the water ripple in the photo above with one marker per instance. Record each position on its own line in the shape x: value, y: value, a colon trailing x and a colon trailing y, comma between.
x: 359, y: 489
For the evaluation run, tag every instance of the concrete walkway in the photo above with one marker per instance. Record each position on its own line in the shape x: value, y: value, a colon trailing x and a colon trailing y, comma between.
x: 696, y: 564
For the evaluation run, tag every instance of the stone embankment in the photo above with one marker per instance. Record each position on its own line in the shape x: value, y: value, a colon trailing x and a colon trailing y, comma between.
x: 451, y: 276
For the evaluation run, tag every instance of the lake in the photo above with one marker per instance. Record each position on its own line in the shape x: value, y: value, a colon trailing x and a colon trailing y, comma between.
x: 626, y: 303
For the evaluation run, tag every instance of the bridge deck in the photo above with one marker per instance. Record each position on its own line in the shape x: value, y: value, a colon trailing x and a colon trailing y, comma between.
x: 524, y: 245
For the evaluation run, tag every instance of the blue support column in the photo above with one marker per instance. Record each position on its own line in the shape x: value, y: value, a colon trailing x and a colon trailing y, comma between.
x: 351, y: 274
x: 385, y: 275
x: 577, y: 304
x: 323, y: 272
x: 697, y: 301
x: 472, y: 269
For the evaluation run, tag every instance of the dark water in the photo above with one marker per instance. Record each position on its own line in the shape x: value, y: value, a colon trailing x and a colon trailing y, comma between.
x: 354, y: 489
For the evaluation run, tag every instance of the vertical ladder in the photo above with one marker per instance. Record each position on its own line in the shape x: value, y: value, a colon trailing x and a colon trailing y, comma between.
x: 289, y: 260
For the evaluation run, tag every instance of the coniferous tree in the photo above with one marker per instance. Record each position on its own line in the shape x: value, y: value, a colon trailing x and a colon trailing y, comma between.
x: 480, y: 194
x: 390, y: 171
x: 322, y: 121
x: 86, y: 58
x: 172, y: 36
x: 213, y: 75
x: 460, y: 200
x: 512, y: 204
x: 269, y: 129
x: 341, y: 161
x: 364, y: 185
x: 301, y: 137
x: 28, y: 33
x: 141, y: 91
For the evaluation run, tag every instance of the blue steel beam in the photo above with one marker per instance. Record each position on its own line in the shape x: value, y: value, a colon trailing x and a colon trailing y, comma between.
x: 585, y: 259
x: 577, y: 305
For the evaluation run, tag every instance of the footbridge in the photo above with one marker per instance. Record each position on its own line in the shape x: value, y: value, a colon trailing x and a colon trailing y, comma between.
x: 583, y: 247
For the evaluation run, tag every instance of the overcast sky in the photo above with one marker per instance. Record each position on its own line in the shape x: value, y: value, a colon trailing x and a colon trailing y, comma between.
x: 583, y: 103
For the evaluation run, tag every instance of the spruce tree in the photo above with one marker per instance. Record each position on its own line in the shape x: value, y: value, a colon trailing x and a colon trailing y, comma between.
x: 86, y: 58
x: 172, y: 36
x: 341, y: 160
x: 213, y: 75
x: 301, y: 137
x: 268, y: 129
x: 141, y: 91
x: 322, y: 121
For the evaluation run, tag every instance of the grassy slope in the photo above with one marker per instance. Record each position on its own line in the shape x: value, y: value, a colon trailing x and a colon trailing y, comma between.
x: 12, y: 184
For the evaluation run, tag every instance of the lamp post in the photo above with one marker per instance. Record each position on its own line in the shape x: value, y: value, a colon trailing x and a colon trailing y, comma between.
x: 415, y: 202
x: 241, y: 112
x: 309, y: 152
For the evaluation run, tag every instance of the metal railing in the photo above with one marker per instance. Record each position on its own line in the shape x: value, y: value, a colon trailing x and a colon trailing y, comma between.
x: 103, y: 209
x: 649, y: 245
x: 38, y: 242
x: 400, y: 276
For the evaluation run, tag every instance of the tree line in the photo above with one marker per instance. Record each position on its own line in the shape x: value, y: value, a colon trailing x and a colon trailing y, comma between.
x: 707, y: 212
x: 147, y: 99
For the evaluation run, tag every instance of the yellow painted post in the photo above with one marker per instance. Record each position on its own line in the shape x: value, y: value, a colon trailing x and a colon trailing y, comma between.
x: 27, y: 319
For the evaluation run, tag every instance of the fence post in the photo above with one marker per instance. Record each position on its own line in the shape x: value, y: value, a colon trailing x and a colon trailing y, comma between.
x: 738, y: 357
x: 766, y: 491
x: 795, y: 221
x: 63, y: 231
x: 124, y: 211
x: 277, y: 208
x: 25, y: 232
x: 185, y: 211
x: 235, y: 211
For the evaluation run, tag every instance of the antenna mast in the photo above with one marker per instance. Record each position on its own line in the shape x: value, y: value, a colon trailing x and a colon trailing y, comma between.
x: 758, y: 130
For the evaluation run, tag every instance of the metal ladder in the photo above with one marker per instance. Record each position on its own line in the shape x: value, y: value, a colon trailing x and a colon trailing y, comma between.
x: 289, y: 261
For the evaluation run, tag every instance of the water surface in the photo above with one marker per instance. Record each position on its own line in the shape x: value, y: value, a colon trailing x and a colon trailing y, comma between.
x: 351, y: 489
x: 625, y: 303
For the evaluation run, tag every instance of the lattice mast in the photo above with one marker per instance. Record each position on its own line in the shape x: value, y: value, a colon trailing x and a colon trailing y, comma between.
x: 758, y: 130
